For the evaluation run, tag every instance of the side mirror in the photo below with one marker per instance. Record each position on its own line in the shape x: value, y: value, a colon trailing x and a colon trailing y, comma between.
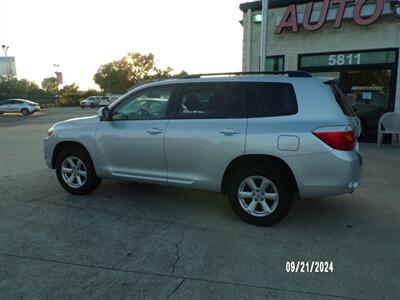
x: 104, y: 114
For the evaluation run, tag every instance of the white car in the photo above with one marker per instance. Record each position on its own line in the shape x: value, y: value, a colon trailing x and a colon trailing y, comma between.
x: 91, y: 101
x: 107, y: 100
x: 23, y: 106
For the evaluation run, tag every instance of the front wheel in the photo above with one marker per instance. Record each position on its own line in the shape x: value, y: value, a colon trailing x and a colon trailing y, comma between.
x: 25, y: 111
x: 260, y: 195
x: 75, y: 172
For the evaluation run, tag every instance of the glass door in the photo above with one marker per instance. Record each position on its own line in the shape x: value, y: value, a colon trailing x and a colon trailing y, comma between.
x: 368, y: 78
x: 369, y: 92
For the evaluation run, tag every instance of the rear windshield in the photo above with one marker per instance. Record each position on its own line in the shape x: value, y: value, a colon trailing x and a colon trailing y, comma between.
x: 341, y: 99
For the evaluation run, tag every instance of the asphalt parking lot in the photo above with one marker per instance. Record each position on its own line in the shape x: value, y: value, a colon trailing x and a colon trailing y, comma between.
x: 128, y: 240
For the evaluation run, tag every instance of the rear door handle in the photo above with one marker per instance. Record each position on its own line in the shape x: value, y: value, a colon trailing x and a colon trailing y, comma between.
x: 229, y: 131
x: 155, y: 131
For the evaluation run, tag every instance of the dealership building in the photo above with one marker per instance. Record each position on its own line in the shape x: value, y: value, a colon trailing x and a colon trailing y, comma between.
x: 355, y: 41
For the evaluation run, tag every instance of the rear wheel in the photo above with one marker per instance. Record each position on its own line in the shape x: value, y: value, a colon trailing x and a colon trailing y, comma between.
x: 75, y: 171
x: 25, y: 111
x: 92, y: 105
x: 260, y: 195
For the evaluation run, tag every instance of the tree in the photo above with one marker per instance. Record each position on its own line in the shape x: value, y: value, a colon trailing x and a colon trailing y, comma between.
x: 90, y: 92
x: 50, y: 85
x: 118, y: 76
x: 68, y: 90
x: 18, y: 88
x: 70, y: 95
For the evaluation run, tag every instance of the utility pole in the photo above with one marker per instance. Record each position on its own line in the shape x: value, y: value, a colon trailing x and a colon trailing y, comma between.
x: 264, y: 36
x: 5, y: 49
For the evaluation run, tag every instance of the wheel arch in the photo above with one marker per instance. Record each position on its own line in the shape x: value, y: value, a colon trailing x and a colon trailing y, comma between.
x: 64, y: 145
x: 267, y: 160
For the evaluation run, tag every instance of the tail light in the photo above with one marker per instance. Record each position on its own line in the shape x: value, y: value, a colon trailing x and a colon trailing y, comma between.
x: 337, y: 139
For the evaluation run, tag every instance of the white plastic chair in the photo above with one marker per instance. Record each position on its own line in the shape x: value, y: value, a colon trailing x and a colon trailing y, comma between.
x: 389, y: 123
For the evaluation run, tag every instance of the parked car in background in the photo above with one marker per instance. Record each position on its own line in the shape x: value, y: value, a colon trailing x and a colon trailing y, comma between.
x: 107, y: 100
x: 261, y: 140
x: 92, y: 101
x: 104, y: 101
x: 23, y: 106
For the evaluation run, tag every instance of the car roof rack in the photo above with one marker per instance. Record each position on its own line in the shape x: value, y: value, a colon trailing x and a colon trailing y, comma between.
x: 288, y: 73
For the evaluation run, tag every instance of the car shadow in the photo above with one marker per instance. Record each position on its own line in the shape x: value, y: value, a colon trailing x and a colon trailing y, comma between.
x: 171, y: 204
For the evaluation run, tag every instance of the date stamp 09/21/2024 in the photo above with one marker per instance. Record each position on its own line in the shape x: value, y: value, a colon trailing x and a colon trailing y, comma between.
x: 309, y: 267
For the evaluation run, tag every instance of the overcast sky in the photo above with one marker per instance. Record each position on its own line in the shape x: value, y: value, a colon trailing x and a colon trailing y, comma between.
x: 80, y: 35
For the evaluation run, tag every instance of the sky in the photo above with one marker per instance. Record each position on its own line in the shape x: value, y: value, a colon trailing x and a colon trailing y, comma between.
x: 80, y: 35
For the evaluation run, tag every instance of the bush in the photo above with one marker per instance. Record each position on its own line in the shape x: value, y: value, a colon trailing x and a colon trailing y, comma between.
x: 70, y: 100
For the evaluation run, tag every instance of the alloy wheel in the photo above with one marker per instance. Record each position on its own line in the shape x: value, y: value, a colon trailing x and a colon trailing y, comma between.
x: 74, y: 172
x: 258, y: 196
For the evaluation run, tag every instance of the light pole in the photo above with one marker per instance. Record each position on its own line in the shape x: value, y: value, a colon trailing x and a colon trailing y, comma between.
x: 264, y: 35
x: 56, y: 72
x: 5, y: 49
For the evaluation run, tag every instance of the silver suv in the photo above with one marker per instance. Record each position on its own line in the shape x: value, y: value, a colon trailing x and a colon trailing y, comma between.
x: 259, y: 139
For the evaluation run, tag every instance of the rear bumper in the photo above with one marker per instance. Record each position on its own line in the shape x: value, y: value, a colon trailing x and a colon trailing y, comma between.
x: 327, y: 174
x: 33, y: 109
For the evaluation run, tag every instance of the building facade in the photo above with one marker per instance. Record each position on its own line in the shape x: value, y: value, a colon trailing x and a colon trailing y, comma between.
x: 356, y: 42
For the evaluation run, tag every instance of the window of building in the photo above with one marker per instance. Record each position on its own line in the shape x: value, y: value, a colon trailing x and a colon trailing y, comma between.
x: 275, y: 63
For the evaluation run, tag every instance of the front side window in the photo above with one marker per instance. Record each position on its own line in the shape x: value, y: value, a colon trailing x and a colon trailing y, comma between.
x: 150, y: 104
x: 269, y: 99
x: 211, y: 101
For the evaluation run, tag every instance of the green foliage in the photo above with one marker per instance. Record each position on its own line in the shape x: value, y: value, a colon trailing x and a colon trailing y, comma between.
x: 118, y: 76
x: 22, y: 88
x: 70, y: 95
x: 50, y: 85
x: 71, y: 89
x: 90, y: 92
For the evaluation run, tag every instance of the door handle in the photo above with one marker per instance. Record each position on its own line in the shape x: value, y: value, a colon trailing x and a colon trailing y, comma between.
x: 155, y: 131
x: 229, y: 131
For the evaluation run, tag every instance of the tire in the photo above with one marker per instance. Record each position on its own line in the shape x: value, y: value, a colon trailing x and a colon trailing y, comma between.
x: 25, y: 111
x: 87, y: 184
x: 82, y: 107
x: 257, y: 207
x: 92, y: 106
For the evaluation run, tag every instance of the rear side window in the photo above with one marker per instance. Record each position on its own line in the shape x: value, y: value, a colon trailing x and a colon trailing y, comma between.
x: 211, y: 101
x: 341, y: 99
x: 267, y: 99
